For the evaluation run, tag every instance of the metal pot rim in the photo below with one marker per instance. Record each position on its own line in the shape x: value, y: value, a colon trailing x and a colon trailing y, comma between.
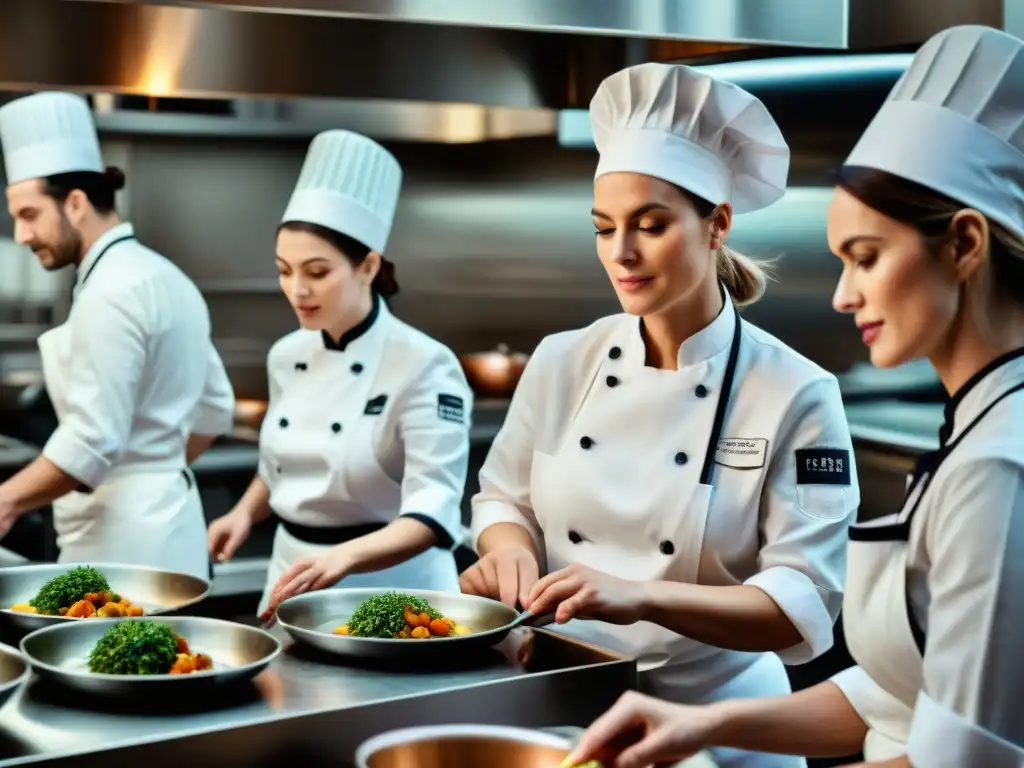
x: 423, y: 732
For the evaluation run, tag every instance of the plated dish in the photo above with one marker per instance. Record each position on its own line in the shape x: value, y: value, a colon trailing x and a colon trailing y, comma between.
x: 80, y: 593
x: 400, y: 616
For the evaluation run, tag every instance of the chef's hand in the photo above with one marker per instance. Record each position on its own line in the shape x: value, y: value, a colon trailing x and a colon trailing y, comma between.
x: 227, y: 533
x: 506, y: 574
x: 309, y: 574
x: 581, y: 592
x: 640, y: 730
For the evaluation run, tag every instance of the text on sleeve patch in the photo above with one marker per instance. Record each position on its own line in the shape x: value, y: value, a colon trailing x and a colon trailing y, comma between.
x: 822, y: 466
x: 451, y: 408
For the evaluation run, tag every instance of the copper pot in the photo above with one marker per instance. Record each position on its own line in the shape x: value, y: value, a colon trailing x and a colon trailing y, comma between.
x: 495, y: 373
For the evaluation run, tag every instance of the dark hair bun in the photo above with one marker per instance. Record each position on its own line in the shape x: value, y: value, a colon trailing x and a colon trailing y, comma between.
x: 385, y: 283
x: 115, y: 177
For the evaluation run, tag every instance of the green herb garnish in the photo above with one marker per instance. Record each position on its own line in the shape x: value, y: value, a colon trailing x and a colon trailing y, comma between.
x: 67, y: 589
x: 135, y: 648
x: 384, y: 615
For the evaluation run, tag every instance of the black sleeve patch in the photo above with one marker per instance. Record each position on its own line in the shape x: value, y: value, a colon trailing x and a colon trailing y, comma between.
x: 823, y: 466
x: 451, y: 408
x: 375, y: 407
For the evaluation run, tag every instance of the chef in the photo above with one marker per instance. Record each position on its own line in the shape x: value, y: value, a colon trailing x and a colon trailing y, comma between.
x: 137, y: 386
x: 687, y: 478
x: 365, y: 445
x: 933, y: 266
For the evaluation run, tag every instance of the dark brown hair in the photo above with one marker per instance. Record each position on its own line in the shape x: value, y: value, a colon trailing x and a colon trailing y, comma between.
x: 384, y: 283
x: 100, y: 188
x: 931, y: 213
x: 744, y: 277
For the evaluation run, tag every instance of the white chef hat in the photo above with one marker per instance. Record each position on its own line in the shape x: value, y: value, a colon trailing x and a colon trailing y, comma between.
x: 48, y: 133
x: 954, y: 122
x: 350, y: 184
x: 707, y: 136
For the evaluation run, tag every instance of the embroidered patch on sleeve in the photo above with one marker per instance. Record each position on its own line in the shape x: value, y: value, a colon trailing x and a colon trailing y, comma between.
x: 451, y: 408
x: 823, y: 466
x: 375, y: 407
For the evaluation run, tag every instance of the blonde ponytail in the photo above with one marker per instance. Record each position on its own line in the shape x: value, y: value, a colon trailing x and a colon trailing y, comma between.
x: 745, y: 278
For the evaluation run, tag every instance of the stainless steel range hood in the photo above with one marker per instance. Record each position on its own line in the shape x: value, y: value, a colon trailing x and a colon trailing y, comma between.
x: 511, y: 53
x: 435, y: 70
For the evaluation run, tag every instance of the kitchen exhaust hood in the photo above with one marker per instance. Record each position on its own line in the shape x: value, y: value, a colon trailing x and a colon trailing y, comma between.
x: 435, y: 70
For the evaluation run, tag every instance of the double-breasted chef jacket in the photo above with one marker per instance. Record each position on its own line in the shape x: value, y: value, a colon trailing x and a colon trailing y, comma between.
x: 935, y: 605
x: 131, y: 373
x: 737, y: 468
x: 359, y: 432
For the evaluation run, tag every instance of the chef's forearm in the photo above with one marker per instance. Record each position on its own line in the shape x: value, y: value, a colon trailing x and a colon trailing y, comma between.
x: 503, y: 535
x: 40, y: 483
x: 397, y: 542
x: 255, y: 502
x: 197, y: 446
x: 739, y: 618
x: 816, y: 722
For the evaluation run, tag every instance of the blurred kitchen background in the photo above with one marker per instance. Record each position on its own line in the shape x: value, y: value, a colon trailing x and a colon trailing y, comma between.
x: 209, y: 109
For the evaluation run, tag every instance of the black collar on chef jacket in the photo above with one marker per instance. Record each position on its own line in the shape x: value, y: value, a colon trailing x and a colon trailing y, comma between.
x: 355, y: 331
x: 946, y: 431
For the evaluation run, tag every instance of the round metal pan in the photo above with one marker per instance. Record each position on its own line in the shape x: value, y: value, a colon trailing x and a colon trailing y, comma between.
x: 239, y: 652
x: 439, y: 746
x: 310, y: 618
x: 157, y: 591
x: 14, y: 671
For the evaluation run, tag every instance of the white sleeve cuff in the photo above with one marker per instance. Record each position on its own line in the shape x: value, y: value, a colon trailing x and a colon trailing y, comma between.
x: 798, y: 598
x: 488, y: 513
x: 76, y: 457
x: 941, y: 738
x: 214, y: 419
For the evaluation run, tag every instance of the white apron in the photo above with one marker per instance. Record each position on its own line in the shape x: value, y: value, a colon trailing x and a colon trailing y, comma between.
x: 882, y: 633
x: 141, y: 514
x: 320, y: 445
x: 653, y: 530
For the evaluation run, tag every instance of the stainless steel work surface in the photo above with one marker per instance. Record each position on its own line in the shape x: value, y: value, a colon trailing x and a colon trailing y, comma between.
x: 310, y: 696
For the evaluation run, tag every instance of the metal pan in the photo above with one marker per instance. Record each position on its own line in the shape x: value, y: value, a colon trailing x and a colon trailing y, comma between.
x: 311, y: 618
x: 239, y: 652
x: 157, y: 591
x: 13, y: 672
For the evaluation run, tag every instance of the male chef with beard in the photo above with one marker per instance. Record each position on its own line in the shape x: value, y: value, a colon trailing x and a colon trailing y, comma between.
x: 137, y: 386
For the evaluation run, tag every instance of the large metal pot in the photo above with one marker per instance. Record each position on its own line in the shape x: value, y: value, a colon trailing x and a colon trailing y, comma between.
x: 495, y: 373
x: 443, y: 746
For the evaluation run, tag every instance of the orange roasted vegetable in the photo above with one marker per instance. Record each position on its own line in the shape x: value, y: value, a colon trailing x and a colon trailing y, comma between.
x: 440, y: 627
x: 421, y: 632
x: 415, y: 618
x: 83, y: 609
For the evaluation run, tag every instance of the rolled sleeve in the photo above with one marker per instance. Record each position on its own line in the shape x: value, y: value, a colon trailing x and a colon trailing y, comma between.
x: 504, y: 495
x: 434, y: 425
x: 887, y: 717
x: 970, y: 709
x: 215, y: 413
x: 108, y: 350
x: 805, y: 520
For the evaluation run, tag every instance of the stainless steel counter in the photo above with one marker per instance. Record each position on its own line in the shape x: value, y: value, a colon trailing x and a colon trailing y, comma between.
x: 311, y: 708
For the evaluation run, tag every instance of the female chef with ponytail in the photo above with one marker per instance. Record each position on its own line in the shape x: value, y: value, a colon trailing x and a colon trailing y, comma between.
x: 365, y: 445
x: 928, y: 220
x: 685, y: 480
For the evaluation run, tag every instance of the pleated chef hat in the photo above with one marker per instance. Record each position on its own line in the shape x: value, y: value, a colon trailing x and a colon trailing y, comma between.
x: 708, y: 136
x: 954, y: 122
x: 48, y: 133
x: 350, y: 184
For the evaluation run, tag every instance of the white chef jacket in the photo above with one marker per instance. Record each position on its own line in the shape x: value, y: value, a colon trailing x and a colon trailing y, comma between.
x: 613, y: 450
x: 366, y: 429
x: 944, y: 684
x: 140, y: 371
